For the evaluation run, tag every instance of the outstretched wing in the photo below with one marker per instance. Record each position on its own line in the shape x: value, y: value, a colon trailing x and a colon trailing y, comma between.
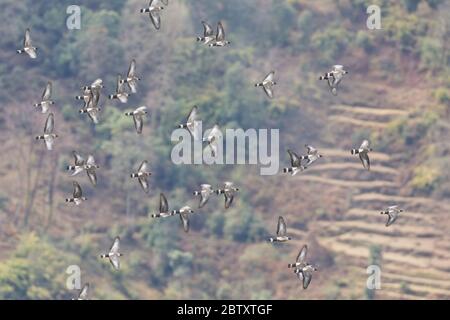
x: 302, y: 254
x: 391, y: 219
x: 163, y: 204
x: 307, y: 277
x: 270, y: 76
x: 27, y: 39
x: 281, y: 227
x: 47, y: 92
x: 269, y: 91
x: 115, y: 261
x: 364, y: 157
x: 143, y: 167
x: 310, y: 149
x: 144, y: 184
x: 229, y: 196
x: 295, y: 159
x: 79, y: 161
x: 138, y: 123
x: 185, y: 221
x: 220, y: 32
x: 115, y: 246
x: 155, y: 18
x: 77, y: 193
x: 132, y: 69
x: 49, y: 124
x: 365, y: 144
x: 193, y: 114
x: 207, y: 30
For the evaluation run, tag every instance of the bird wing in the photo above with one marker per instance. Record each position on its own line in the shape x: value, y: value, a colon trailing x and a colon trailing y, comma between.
x: 365, y: 160
x: 310, y: 149
x: 49, y: 124
x: 138, y: 123
x: 77, y: 193
x: 270, y: 76
x: 307, y: 277
x: 163, y: 204
x: 155, y: 18
x: 281, y: 227
x: 132, y: 69
x: 79, y: 161
x: 27, y: 39
x: 295, y: 159
x: 268, y: 90
x: 192, y: 114
x: 115, y: 246
x: 84, y: 292
x: 365, y: 144
x: 115, y: 261
x: 207, y: 29
x: 184, y: 220
x: 144, y: 184
x: 47, y: 92
x: 220, y: 32
x: 302, y: 254
x: 143, y: 167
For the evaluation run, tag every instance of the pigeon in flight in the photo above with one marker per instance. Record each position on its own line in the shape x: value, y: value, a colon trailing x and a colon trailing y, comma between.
x: 303, y: 269
x: 114, y: 254
x: 220, y: 37
x: 154, y: 9
x: 192, y: 124
x: 131, y: 79
x: 77, y: 197
x: 48, y: 136
x: 393, y: 213
x: 204, y: 193
x: 363, y: 151
x: 229, y: 191
x: 46, y: 101
x: 208, y: 34
x: 312, y: 154
x: 138, y: 117
x: 334, y: 77
x: 281, y: 231
x: 28, y: 46
x: 212, y: 139
x: 267, y: 84
x: 80, y: 165
x: 120, y: 94
x: 91, y: 107
x: 163, y: 208
x: 184, y: 216
x: 142, y: 174
x: 296, y: 163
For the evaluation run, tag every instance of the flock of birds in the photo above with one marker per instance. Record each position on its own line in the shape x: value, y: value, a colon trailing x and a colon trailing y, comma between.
x: 128, y: 85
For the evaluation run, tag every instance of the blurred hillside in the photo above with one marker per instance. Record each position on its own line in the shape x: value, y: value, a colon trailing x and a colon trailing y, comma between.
x: 397, y: 94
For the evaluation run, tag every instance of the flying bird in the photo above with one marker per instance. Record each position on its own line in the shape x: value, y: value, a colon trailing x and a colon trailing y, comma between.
x: 154, y: 8
x: 138, y: 117
x: 363, y: 151
x: 228, y: 191
x: 184, y: 216
x: 281, y: 231
x: 220, y: 37
x: 80, y: 165
x: 191, y: 123
x: 114, y: 254
x: 267, y: 84
x: 334, y: 77
x: 163, y: 208
x: 392, y: 212
x: 303, y: 269
x: 204, y: 193
x: 142, y: 174
x: 120, y: 94
x: 208, y: 34
x: 213, y: 139
x: 28, y: 46
x: 296, y: 163
x: 46, y: 101
x: 91, y: 107
x: 131, y: 79
x: 312, y: 154
x: 77, y: 197
x: 49, y: 135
